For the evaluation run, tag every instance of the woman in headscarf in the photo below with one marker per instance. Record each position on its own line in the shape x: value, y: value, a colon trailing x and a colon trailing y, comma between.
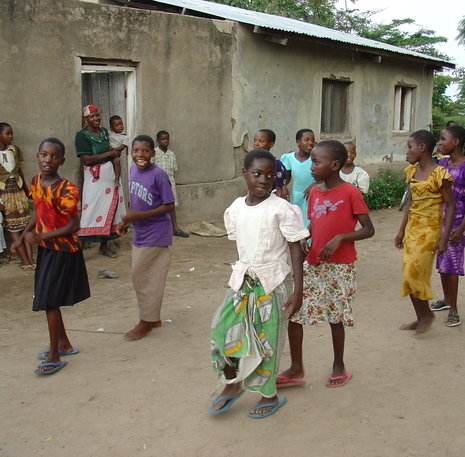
x: 102, y: 201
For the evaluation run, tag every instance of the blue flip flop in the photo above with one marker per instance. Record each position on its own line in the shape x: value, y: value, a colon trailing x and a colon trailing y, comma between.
x: 44, y: 355
x: 274, y: 407
x: 229, y: 399
x: 56, y: 367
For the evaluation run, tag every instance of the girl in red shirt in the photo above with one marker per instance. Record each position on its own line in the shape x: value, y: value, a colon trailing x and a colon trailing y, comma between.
x: 334, y: 208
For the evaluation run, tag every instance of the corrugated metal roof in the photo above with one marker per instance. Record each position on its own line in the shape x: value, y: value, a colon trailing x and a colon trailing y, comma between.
x: 285, y: 24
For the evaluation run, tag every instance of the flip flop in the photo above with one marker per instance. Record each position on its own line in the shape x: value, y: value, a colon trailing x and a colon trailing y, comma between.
x: 109, y: 253
x: 274, y: 407
x: 44, y: 355
x: 107, y: 274
x: 230, y: 399
x: 284, y: 381
x: 56, y: 367
x: 181, y: 233
x: 345, y: 378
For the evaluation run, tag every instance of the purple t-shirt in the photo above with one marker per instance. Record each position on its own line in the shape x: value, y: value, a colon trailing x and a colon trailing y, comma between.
x: 149, y: 189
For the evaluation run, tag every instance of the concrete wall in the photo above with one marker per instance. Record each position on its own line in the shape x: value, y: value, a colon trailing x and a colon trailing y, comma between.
x: 279, y: 87
x: 183, y: 68
x: 211, y: 83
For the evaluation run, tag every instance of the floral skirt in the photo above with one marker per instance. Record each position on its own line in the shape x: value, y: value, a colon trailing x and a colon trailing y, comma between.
x: 16, y: 214
x: 329, y: 290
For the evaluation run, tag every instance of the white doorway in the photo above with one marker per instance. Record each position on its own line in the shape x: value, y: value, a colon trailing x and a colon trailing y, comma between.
x: 112, y: 88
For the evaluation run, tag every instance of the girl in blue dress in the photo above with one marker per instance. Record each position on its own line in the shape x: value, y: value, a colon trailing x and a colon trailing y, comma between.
x: 298, y: 169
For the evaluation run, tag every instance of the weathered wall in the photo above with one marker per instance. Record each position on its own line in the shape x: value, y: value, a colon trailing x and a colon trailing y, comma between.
x: 197, y: 78
x: 183, y: 67
x: 279, y: 87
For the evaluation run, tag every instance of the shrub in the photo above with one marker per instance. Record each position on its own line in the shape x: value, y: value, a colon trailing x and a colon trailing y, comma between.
x: 386, y: 190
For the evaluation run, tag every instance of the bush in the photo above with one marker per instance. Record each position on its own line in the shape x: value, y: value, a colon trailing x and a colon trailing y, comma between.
x: 386, y: 190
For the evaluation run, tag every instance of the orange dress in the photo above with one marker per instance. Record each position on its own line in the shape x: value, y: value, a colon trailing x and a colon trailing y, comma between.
x: 422, y: 231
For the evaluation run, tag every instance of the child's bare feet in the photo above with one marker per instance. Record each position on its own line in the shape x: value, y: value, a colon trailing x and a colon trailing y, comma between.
x: 411, y: 326
x: 143, y: 328
x: 424, y: 324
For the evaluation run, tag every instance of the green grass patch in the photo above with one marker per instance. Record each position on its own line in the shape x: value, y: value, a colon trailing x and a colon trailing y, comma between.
x: 386, y: 190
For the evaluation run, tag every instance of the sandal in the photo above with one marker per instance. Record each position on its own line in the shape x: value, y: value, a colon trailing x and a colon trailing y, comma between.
x: 27, y: 267
x: 107, y: 274
x: 438, y: 305
x: 109, y: 253
x: 453, y: 319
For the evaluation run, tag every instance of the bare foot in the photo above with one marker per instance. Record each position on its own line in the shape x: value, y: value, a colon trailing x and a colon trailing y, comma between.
x: 411, y: 326
x: 290, y: 373
x: 142, y: 329
x: 424, y: 324
x: 229, y: 390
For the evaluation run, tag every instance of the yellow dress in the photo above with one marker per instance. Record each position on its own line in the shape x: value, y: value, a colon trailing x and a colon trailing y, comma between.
x: 422, y: 231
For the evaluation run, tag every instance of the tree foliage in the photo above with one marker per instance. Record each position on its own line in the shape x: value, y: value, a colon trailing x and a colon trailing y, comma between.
x: 461, y: 30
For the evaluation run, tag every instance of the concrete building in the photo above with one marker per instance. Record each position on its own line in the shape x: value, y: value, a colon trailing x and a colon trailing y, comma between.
x: 209, y: 74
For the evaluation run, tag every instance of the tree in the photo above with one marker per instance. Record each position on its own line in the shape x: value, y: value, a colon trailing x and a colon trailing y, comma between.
x: 461, y: 29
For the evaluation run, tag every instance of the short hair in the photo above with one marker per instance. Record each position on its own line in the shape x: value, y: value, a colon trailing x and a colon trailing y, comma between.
x: 457, y: 132
x: 300, y: 133
x: 58, y: 143
x: 116, y: 117
x: 255, y: 154
x: 450, y: 123
x: 350, y: 143
x: 336, y: 149
x: 3, y: 126
x: 269, y: 133
x: 162, y: 132
x: 424, y: 137
x: 146, y: 138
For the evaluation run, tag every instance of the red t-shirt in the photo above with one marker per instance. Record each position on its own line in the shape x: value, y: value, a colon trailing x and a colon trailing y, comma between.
x: 332, y: 212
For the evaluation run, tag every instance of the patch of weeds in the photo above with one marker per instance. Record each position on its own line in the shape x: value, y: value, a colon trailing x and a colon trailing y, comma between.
x: 386, y: 190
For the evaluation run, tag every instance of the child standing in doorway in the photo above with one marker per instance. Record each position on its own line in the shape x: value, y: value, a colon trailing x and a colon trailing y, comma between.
x: 151, y: 201
x: 248, y: 329
x: 119, y: 141
x: 13, y: 192
x: 334, y: 208
x: 60, y: 276
x: 420, y: 235
x: 298, y: 169
x: 166, y: 160
x: 352, y: 173
x: 265, y: 139
x: 450, y: 263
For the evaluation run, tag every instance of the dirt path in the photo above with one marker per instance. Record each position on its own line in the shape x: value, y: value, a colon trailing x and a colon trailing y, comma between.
x: 149, y: 397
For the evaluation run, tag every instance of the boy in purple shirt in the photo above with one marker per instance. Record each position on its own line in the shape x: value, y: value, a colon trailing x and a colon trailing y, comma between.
x: 151, y: 200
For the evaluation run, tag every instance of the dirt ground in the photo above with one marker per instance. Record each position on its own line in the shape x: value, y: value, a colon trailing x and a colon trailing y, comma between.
x: 150, y: 397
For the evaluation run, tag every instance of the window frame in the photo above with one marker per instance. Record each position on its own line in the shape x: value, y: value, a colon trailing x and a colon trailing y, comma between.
x: 403, y: 108
x: 328, y: 105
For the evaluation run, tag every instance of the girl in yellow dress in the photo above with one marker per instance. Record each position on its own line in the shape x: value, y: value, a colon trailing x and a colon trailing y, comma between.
x: 420, y: 232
